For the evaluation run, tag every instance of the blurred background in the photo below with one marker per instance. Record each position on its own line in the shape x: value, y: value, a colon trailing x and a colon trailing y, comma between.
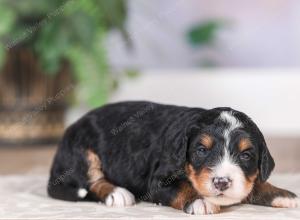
x: 61, y: 58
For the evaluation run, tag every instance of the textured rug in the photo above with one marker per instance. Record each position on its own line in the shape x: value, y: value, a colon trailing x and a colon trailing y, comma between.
x: 24, y: 197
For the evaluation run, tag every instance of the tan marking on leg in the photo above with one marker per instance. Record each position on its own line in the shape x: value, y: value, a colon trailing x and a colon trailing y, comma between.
x: 95, y: 170
x: 102, y: 188
x: 266, y: 194
x: 266, y: 187
x: 99, y: 185
x: 186, y: 194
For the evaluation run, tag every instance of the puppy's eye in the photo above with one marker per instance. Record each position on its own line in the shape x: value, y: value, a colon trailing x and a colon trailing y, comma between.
x: 245, y: 156
x: 201, y: 150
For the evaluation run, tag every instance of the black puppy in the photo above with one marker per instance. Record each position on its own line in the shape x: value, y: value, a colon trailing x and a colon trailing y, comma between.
x: 191, y: 159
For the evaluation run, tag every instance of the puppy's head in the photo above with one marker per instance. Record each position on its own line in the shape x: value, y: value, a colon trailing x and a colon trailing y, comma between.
x: 226, y: 153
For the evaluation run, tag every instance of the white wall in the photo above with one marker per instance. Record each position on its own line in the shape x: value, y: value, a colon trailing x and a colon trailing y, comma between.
x: 262, y: 33
x: 270, y: 97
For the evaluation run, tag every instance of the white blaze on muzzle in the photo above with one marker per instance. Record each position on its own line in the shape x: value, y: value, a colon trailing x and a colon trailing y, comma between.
x: 228, y: 169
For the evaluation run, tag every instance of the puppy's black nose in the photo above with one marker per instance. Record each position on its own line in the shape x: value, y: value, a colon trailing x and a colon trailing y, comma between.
x: 221, y: 183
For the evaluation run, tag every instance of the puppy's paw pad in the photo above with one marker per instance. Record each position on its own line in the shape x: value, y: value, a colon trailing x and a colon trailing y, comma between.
x: 285, y: 202
x: 120, y: 197
x: 202, y: 207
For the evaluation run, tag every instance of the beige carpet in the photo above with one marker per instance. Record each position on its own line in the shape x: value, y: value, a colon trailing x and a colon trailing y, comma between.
x: 24, y: 197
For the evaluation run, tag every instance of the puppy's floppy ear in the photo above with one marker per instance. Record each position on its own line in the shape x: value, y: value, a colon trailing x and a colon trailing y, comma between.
x: 266, y: 162
x: 174, y: 154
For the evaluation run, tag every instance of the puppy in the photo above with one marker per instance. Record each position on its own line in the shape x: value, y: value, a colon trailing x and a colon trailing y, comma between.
x: 191, y: 159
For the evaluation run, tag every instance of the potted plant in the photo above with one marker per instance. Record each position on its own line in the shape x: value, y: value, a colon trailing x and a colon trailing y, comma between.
x: 48, y: 49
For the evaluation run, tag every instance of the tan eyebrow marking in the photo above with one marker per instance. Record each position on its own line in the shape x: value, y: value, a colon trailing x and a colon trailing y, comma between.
x: 206, y: 140
x: 244, y: 144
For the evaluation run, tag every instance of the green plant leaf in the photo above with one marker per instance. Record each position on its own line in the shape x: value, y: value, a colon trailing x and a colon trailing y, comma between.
x: 203, y: 33
x: 2, y: 56
x: 71, y: 30
x: 7, y: 20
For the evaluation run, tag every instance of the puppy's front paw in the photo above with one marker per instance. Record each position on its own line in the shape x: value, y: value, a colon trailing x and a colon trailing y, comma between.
x: 202, y: 207
x: 120, y: 197
x: 285, y: 202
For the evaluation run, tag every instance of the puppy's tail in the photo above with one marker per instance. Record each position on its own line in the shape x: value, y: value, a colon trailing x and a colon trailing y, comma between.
x: 67, y: 192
